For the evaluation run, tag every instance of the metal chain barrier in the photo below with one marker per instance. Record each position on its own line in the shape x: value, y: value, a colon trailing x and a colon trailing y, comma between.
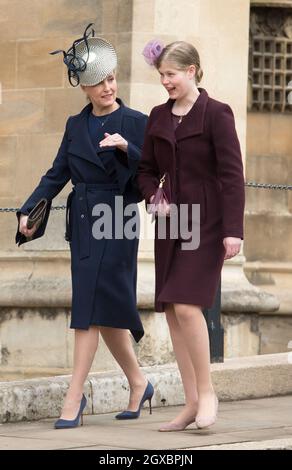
x: 249, y: 184
x: 15, y: 209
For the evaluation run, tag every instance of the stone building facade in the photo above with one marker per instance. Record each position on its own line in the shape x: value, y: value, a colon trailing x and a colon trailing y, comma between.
x: 36, y: 101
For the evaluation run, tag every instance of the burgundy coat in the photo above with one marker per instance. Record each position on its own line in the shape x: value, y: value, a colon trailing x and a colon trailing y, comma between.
x: 203, y: 163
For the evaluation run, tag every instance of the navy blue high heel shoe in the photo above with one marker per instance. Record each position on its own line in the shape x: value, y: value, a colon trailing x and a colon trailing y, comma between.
x: 148, y: 394
x: 72, y: 423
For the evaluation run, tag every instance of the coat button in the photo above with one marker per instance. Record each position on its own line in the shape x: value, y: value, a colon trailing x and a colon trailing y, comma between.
x: 81, y: 198
x: 82, y: 216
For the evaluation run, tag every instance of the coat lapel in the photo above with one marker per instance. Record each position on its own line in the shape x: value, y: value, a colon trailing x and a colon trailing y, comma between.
x: 80, y: 141
x: 162, y: 127
x: 192, y: 124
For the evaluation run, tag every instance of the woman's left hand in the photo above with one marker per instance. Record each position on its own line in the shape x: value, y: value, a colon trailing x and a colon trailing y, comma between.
x: 114, y: 140
x: 232, y: 246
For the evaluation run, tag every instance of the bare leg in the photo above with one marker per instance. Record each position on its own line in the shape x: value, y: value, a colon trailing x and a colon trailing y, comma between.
x: 119, y: 343
x: 187, y: 372
x: 196, y: 338
x: 86, y: 342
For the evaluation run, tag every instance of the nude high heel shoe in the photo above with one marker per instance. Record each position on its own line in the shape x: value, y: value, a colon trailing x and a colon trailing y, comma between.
x: 206, y: 421
x: 171, y: 427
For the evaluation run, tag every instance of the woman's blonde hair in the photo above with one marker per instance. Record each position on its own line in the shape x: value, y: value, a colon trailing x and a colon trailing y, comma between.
x: 182, y: 54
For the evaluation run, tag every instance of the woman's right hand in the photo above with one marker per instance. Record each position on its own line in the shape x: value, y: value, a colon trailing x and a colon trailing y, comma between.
x: 23, y: 226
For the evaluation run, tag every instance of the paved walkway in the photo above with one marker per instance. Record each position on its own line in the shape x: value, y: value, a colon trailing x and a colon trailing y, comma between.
x: 250, y: 424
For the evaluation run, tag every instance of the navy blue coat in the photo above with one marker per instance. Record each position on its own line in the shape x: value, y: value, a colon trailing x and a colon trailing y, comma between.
x: 103, y: 271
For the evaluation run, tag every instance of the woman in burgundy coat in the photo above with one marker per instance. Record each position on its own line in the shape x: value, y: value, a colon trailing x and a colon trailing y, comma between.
x: 191, y: 139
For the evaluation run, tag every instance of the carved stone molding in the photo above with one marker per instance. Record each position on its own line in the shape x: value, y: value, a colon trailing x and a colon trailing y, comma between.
x: 271, y: 22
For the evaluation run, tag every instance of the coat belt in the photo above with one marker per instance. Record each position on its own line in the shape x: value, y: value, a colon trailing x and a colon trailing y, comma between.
x: 79, y: 191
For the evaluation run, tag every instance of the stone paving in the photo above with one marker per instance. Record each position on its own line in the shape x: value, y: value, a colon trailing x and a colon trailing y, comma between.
x: 264, y: 423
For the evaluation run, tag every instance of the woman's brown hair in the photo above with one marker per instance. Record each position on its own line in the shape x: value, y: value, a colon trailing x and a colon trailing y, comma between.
x: 182, y: 54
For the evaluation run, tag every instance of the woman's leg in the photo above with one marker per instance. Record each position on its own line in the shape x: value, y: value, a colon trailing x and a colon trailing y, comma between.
x: 86, y: 342
x: 119, y: 343
x: 188, y: 414
x: 196, y: 338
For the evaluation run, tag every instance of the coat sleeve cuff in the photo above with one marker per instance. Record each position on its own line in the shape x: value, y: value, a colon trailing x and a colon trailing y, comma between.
x: 233, y: 233
x: 19, y: 237
x: 133, y: 154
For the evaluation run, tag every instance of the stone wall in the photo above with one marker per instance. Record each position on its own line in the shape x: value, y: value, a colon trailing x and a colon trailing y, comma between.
x: 40, y: 339
x: 36, y: 95
x: 268, y: 218
x: 37, y: 99
x: 269, y: 160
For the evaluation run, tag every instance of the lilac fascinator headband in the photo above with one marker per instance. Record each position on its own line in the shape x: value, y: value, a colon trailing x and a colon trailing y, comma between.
x: 152, y: 51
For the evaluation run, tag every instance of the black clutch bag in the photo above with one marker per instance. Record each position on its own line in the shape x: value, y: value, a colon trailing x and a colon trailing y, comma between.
x: 37, y: 214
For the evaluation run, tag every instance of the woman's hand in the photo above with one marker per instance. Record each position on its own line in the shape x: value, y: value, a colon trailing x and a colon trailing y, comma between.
x: 114, y: 140
x: 23, y: 226
x: 232, y: 246
x: 163, y: 209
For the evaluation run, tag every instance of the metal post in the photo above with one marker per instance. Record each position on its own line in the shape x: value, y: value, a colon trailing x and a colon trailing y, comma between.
x: 216, y: 331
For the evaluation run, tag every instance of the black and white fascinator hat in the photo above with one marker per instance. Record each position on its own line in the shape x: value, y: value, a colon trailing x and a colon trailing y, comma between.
x: 89, y: 60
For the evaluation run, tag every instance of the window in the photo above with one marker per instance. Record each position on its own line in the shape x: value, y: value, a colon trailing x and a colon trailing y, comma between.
x: 270, y: 60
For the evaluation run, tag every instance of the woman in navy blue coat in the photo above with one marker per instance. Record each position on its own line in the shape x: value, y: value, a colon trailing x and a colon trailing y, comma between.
x: 99, y: 153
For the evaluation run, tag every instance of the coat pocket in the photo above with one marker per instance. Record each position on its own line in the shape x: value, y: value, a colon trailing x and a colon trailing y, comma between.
x: 212, y: 203
x: 203, y: 203
x: 196, y: 195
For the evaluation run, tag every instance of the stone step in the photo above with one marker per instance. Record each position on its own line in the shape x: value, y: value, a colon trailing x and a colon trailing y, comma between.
x: 235, y: 379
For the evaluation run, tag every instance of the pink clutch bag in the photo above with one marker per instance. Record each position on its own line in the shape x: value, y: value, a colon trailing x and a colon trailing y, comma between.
x: 159, y: 199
